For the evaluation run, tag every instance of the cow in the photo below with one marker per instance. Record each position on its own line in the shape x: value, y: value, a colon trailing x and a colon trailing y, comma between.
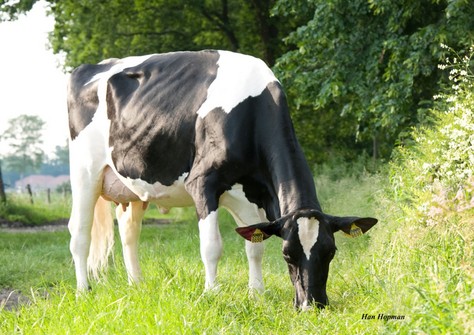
x: 207, y: 129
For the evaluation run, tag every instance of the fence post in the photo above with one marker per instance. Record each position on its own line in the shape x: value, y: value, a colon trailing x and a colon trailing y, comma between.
x: 49, y: 195
x: 28, y: 188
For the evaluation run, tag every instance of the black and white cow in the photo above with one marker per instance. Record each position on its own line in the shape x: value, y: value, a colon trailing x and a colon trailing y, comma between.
x: 209, y: 129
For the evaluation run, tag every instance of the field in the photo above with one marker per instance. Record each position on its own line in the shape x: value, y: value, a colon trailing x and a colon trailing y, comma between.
x: 389, y: 281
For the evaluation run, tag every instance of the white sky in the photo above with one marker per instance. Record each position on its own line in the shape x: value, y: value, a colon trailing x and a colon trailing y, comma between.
x: 31, y: 81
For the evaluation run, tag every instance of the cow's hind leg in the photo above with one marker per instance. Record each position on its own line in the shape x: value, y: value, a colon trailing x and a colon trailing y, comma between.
x: 130, y: 224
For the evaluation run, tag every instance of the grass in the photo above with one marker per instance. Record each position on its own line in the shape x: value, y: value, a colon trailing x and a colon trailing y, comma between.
x: 395, y: 270
x: 171, y: 299
x: 19, y: 208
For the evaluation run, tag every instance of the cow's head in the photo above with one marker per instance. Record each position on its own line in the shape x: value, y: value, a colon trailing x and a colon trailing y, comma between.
x: 308, y: 248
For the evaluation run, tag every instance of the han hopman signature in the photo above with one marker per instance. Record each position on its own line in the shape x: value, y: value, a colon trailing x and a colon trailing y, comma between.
x: 381, y: 316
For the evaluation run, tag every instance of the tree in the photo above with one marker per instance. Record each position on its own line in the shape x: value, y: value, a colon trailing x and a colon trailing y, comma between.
x: 59, y: 163
x: 367, y: 70
x: 11, y: 10
x: 61, y: 155
x: 24, y: 138
x: 89, y: 31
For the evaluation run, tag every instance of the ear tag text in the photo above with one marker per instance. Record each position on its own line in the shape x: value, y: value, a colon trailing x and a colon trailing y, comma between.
x: 355, y: 231
x: 257, y: 236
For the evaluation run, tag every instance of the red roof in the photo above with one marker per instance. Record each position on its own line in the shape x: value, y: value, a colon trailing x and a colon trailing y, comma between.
x: 42, y: 181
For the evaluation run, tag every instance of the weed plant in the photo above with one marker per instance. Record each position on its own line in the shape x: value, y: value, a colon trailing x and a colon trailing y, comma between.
x: 432, y: 194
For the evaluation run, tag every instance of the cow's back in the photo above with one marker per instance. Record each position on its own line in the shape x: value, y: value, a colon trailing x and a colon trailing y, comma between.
x: 152, y: 108
x: 166, y: 107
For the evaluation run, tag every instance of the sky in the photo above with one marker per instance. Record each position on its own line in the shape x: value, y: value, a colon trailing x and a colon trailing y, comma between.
x: 31, y: 80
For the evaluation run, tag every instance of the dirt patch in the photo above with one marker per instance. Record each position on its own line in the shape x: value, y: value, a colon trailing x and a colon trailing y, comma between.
x: 11, y: 299
x: 58, y: 225
x: 9, y: 226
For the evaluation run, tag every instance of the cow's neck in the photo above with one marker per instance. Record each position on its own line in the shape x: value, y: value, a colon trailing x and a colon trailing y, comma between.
x: 292, y: 181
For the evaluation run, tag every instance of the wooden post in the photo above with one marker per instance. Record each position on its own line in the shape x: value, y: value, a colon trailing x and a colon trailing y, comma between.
x: 28, y: 188
x: 49, y: 195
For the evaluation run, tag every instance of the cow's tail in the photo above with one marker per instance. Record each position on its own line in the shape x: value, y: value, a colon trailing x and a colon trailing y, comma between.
x: 102, y: 238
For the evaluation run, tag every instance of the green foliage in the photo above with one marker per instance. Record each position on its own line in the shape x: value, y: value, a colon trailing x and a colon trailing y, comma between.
x: 358, y: 74
x: 432, y: 195
x: 366, y: 70
x: 10, y: 10
x: 89, y: 31
x: 434, y: 175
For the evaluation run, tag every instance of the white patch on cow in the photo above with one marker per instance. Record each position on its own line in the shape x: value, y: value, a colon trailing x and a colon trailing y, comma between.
x: 238, y: 77
x: 242, y: 210
x: 98, y: 130
x: 158, y: 192
x: 210, y: 246
x: 100, y: 116
x: 174, y: 195
x: 118, y: 67
x: 308, y: 231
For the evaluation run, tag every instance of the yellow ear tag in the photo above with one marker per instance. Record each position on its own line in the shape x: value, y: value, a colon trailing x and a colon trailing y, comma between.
x: 257, y: 236
x: 355, y: 231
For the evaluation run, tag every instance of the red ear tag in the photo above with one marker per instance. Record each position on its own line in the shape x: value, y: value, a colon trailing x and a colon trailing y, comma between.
x: 257, y: 236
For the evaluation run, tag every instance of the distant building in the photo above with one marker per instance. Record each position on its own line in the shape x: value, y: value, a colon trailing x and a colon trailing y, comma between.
x: 41, y: 182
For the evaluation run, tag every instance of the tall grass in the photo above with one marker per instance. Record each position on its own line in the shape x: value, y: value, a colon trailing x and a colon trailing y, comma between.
x: 432, y: 194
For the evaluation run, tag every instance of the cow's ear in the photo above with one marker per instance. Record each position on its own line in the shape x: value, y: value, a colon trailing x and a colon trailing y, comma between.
x: 351, y: 225
x: 260, y: 231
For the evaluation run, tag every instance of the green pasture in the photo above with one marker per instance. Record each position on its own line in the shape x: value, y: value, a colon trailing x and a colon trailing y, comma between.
x: 425, y: 284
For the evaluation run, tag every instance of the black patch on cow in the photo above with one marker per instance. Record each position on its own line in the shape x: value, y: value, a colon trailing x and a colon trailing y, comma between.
x: 152, y: 108
x: 83, y: 100
x: 254, y: 145
x: 157, y: 135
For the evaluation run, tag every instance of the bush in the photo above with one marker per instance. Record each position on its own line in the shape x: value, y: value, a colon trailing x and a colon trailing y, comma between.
x: 433, y: 177
x: 432, y: 186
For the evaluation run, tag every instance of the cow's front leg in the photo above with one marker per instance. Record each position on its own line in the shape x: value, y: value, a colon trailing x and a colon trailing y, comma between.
x: 130, y: 224
x: 246, y: 213
x: 203, y: 185
x: 255, y: 255
x: 210, y: 246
